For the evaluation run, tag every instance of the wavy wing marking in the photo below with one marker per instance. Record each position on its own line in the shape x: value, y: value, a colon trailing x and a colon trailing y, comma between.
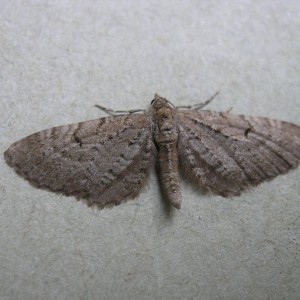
x: 104, y: 161
x: 229, y: 153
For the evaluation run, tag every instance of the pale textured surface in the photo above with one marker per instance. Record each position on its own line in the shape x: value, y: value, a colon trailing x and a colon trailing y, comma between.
x: 58, y: 60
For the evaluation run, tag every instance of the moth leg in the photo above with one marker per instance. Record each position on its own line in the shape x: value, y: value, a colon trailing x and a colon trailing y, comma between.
x: 229, y: 110
x: 200, y: 105
x: 116, y: 112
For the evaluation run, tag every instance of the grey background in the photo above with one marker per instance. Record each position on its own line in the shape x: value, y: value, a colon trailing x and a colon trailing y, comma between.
x: 58, y: 59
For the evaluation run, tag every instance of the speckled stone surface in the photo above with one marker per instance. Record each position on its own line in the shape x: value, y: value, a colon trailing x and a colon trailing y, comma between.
x: 58, y: 59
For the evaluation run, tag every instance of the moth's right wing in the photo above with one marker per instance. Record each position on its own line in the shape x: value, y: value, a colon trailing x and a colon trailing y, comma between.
x: 228, y: 153
x: 104, y: 161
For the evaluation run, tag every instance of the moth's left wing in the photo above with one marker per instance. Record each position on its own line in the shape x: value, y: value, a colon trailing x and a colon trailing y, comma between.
x: 229, y: 153
x: 104, y: 161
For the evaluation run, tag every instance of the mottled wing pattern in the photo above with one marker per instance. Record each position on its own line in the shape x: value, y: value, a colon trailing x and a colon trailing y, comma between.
x: 104, y: 161
x: 230, y: 153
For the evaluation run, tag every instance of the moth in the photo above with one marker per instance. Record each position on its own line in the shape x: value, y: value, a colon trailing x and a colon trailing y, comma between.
x: 107, y: 161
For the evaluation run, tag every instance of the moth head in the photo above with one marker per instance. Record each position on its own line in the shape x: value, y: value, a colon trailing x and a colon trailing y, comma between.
x: 162, y: 112
x: 159, y: 102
